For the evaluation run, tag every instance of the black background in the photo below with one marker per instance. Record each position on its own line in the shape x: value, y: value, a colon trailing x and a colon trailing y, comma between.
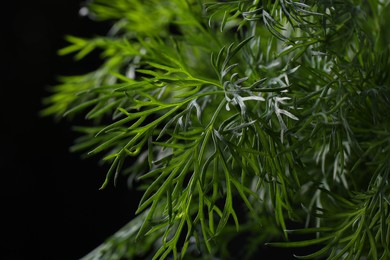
x: 50, y: 203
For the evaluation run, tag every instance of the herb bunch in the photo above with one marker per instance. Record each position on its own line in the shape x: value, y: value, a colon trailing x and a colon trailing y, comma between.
x: 240, y: 117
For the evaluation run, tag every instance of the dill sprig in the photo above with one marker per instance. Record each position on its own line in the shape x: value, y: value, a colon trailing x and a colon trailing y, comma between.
x: 239, y: 117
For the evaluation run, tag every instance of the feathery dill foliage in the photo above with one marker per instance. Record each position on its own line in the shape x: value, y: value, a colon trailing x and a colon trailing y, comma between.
x: 240, y: 117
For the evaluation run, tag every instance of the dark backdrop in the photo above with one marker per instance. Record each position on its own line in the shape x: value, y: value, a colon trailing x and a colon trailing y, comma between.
x: 50, y: 203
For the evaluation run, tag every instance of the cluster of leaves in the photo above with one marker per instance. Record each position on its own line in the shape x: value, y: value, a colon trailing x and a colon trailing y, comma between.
x: 239, y: 116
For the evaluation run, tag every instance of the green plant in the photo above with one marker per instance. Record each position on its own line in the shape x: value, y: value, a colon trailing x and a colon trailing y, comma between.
x: 242, y: 117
